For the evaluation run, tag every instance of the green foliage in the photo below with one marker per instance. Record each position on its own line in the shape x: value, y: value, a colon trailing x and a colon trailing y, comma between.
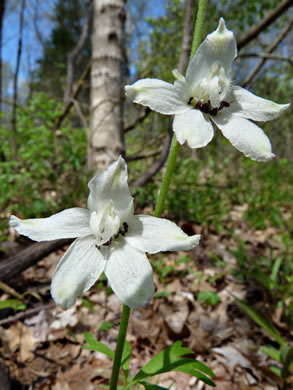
x: 49, y: 172
x: 209, y: 298
x: 14, y: 304
x: 285, y: 354
x: 170, y: 359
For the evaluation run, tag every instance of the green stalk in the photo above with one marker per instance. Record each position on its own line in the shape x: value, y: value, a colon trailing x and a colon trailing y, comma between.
x: 119, y: 348
x: 174, y: 149
x: 175, y: 146
x: 173, y: 153
x: 198, y: 26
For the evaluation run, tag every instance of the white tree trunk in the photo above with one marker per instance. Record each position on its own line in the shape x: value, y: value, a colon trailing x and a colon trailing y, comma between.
x: 105, y: 141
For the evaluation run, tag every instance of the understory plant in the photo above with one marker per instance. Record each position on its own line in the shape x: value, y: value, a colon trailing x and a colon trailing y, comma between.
x: 113, y: 240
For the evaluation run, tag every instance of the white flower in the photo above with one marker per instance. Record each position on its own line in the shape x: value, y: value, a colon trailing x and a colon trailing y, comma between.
x: 206, y: 96
x: 110, y: 239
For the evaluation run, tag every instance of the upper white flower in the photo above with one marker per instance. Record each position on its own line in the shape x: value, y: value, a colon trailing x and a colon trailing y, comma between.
x: 206, y: 96
x: 111, y: 240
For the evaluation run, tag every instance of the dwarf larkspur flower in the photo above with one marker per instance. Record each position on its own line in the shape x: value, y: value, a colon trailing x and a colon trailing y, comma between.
x: 111, y: 239
x: 206, y: 97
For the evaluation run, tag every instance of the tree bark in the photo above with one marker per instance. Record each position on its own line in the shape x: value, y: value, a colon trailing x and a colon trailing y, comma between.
x: 2, y: 10
x: 15, y: 81
x: 14, y: 265
x: 106, y: 140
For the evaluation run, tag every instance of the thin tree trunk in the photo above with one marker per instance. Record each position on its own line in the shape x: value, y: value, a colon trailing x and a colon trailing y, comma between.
x: 2, y: 10
x: 73, y: 55
x: 106, y: 128
x: 15, y: 86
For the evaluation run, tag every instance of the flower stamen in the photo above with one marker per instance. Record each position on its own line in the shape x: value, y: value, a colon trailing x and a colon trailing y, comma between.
x: 207, y: 107
x: 122, y: 231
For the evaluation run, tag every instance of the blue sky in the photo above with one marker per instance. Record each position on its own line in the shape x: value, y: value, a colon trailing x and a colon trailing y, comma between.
x: 32, y: 47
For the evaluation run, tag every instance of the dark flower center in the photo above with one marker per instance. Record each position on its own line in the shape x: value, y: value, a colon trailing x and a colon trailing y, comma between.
x: 207, y: 107
x: 122, y: 231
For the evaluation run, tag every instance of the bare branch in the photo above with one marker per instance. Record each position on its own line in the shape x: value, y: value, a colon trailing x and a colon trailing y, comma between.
x: 268, y: 57
x: 187, y: 38
x: 75, y: 93
x: 142, y: 156
x: 270, y: 50
x: 141, y: 117
x: 15, y: 83
x: 156, y: 167
x: 35, y: 21
x: 73, y: 55
x: 80, y: 114
x: 264, y: 23
x: 183, y: 61
x: 14, y: 265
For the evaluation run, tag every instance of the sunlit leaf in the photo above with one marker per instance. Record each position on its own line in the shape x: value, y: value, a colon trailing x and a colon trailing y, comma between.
x: 264, y: 323
x: 95, y: 345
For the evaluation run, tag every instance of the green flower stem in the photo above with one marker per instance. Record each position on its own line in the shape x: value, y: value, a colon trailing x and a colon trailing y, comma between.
x: 173, y: 153
x: 174, y: 149
x: 120, y: 345
x: 175, y: 146
x: 198, y: 26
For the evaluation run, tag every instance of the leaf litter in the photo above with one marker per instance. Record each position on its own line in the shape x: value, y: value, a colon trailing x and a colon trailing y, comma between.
x: 44, y: 350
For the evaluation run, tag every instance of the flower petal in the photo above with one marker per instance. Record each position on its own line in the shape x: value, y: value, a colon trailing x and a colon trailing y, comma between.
x: 245, y: 136
x: 111, y: 184
x: 194, y: 127
x: 130, y: 275
x: 250, y: 106
x: 69, y: 223
x: 219, y: 46
x: 158, y: 95
x: 77, y: 271
x: 152, y: 235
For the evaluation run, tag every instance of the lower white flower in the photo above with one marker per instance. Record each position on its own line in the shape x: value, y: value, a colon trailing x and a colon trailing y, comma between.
x: 110, y: 239
x: 206, y: 96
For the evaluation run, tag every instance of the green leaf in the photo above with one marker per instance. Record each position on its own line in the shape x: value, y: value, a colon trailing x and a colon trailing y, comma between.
x: 15, y: 304
x: 275, y: 270
x: 151, y: 386
x: 106, y: 326
x: 209, y: 297
x: 264, y: 323
x: 95, y: 345
x: 188, y: 369
x: 273, y: 353
x: 170, y: 360
x: 126, y: 358
x: 276, y: 370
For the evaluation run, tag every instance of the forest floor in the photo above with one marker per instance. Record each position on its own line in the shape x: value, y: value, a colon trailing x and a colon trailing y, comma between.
x: 42, y: 344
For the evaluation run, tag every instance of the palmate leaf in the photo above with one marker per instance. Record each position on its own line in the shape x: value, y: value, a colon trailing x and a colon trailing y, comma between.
x: 126, y: 358
x: 95, y: 345
x: 170, y: 359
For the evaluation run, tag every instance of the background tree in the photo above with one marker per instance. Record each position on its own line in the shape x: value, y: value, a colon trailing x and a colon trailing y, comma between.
x: 105, y: 141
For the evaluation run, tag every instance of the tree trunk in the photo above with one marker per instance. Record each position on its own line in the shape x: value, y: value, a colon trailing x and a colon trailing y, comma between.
x: 105, y: 141
x: 2, y: 10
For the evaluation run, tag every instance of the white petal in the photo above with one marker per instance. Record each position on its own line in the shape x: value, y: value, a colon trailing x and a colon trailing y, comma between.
x: 194, y: 127
x: 111, y: 184
x: 69, y: 223
x: 250, y: 106
x: 130, y: 275
x: 152, y: 235
x: 245, y: 136
x: 77, y: 271
x: 219, y: 46
x: 158, y: 95
x: 177, y: 75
